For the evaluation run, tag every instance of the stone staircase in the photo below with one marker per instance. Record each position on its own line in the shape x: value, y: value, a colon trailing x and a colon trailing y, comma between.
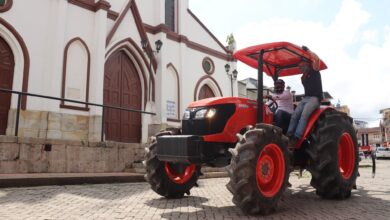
x: 208, y: 172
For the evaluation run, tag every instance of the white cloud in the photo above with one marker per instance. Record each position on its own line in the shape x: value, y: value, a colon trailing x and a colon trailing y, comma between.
x: 360, y: 80
x: 370, y: 36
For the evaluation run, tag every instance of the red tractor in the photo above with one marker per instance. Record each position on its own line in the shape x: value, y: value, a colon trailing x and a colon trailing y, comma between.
x: 238, y: 133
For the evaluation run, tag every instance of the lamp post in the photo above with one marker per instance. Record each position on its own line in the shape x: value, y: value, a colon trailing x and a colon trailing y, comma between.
x: 144, y: 45
x: 232, y: 75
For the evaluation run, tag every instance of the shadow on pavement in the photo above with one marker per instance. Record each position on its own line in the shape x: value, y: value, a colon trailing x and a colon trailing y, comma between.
x: 188, y: 201
x: 32, y: 195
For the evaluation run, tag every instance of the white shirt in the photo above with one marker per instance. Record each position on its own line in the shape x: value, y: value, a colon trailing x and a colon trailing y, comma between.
x: 284, y: 101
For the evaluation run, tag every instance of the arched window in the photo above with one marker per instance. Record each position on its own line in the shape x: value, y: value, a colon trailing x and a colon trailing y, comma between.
x: 173, y: 94
x: 205, y: 92
x: 170, y: 14
x: 5, y: 5
x: 207, y: 87
x: 75, y: 78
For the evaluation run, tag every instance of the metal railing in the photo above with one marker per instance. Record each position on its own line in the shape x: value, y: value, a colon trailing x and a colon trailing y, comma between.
x: 20, y: 94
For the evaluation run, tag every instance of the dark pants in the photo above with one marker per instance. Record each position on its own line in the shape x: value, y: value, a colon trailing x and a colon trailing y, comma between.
x: 282, y: 120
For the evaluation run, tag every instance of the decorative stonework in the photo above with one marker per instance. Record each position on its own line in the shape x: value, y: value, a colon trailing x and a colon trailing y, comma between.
x: 33, y: 155
x: 208, y: 65
x: 5, y: 5
x: 51, y: 125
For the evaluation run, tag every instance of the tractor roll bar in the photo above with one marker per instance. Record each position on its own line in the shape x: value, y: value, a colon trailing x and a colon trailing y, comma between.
x: 260, y: 87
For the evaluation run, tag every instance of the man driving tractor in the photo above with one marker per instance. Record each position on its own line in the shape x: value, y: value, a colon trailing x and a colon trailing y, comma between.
x: 284, y: 102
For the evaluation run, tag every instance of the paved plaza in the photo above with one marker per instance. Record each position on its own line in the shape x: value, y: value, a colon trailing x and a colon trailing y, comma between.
x: 210, y: 200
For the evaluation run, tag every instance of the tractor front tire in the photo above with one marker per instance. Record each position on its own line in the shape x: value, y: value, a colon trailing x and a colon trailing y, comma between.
x: 259, y: 170
x: 333, y: 156
x: 167, y: 179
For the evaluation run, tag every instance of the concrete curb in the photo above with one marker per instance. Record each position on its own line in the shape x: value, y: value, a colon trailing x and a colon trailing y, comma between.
x: 23, y: 180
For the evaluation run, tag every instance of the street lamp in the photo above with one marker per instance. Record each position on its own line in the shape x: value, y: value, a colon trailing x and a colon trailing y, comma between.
x: 232, y: 75
x: 235, y: 73
x: 293, y: 93
x: 227, y: 68
x: 144, y: 45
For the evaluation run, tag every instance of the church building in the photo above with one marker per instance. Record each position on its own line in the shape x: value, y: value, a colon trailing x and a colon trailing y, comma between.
x: 155, y: 56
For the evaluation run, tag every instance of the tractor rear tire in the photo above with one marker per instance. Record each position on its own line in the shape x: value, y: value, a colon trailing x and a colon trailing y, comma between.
x: 259, y: 169
x: 159, y: 173
x: 333, y: 155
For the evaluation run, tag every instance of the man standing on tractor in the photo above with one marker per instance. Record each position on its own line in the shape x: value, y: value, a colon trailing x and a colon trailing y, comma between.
x: 284, y: 101
x: 312, y: 83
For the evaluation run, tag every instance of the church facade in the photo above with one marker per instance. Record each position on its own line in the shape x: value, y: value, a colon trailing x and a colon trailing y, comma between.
x: 91, y: 51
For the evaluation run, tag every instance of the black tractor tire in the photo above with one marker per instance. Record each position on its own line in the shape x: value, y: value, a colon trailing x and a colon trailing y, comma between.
x: 158, y: 178
x: 244, y: 169
x: 333, y: 172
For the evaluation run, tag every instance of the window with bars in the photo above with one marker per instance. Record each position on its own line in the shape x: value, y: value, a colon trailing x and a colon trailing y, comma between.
x: 170, y: 14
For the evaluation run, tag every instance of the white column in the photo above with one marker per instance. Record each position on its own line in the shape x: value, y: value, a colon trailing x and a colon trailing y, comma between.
x: 97, y: 61
x: 161, y: 99
x: 51, y: 81
x: 96, y: 82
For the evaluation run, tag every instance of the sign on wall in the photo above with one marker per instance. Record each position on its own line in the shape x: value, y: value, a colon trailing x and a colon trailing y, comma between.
x: 171, y: 109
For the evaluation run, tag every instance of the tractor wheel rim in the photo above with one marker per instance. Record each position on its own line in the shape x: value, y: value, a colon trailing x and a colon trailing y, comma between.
x: 346, y: 156
x: 180, y: 178
x: 270, y: 170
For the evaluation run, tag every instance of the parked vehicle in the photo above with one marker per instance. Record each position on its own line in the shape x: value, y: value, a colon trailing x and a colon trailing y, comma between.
x: 366, y: 149
x: 382, y: 152
x: 362, y: 155
x: 238, y: 133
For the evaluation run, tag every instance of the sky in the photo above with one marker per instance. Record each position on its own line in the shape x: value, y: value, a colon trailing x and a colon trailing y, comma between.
x: 351, y: 36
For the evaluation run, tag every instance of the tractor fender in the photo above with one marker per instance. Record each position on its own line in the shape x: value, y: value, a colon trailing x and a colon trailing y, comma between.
x: 310, y: 124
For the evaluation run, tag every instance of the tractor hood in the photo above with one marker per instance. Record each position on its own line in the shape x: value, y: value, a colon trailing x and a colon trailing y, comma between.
x: 280, y: 58
x: 221, y: 100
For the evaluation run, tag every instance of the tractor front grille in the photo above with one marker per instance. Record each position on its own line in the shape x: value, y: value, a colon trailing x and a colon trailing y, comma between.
x: 209, y: 126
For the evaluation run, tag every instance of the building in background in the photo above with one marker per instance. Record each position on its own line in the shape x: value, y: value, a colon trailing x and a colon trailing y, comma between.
x: 150, y: 55
x: 385, y: 126
x: 325, y: 101
x: 91, y: 51
x: 360, y: 124
x: 369, y: 136
x: 247, y: 88
x: 343, y: 108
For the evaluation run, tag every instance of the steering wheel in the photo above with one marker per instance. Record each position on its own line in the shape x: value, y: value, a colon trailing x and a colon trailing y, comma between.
x: 272, y: 104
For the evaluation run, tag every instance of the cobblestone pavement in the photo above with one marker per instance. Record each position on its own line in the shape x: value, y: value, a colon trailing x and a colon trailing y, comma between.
x: 210, y: 200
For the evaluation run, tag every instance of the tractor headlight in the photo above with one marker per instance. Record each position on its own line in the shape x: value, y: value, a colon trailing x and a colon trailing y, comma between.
x: 205, y: 113
x: 186, y: 115
x: 211, y: 112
